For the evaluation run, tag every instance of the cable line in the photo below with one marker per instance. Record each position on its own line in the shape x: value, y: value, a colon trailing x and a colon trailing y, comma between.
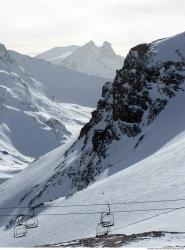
x: 148, y: 218
x: 96, y: 204
x: 98, y: 212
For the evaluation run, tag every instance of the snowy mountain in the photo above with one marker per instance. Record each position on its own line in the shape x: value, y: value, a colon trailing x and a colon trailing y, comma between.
x: 62, y: 84
x: 55, y: 55
x: 31, y: 123
x: 130, y: 155
x: 91, y: 59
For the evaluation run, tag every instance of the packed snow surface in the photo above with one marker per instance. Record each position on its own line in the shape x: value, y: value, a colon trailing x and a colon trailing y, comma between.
x: 169, y: 240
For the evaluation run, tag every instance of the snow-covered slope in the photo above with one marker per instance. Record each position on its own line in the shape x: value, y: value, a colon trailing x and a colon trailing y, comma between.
x: 132, y: 150
x: 60, y: 83
x: 56, y: 54
x: 31, y: 124
x: 91, y: 59
x: 158, y: 177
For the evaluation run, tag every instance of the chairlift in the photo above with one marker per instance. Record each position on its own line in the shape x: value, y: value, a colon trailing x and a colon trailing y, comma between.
x: 106, y: 221
x: 32, y: 221
x: 20, y: 228
x: 107, y: 218
x: 102, y: 231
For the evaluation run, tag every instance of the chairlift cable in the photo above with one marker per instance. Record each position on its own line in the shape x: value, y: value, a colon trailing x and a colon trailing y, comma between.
x: 97, y: 204
x: 98, y: 212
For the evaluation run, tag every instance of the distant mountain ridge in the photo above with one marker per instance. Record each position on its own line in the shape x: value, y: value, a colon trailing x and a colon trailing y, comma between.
x: 64, y: 84
x: 55, y: 54
x: 89, y: 58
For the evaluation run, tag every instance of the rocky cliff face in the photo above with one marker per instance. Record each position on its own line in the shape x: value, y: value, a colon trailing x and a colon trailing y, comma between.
x: 138, y: 94
x: 129, y: 104
x: 140, y: 91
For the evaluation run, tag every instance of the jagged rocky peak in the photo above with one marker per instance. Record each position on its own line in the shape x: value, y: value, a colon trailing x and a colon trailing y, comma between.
x: 90, y: 59
x: 90, y: 44
x: 106, y: 44
x: 107, y: 50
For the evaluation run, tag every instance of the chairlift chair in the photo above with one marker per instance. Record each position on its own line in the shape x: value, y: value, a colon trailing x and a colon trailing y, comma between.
x: 106, y: 222
x: 19, y: 230
x: 107, y: 218
x: 102, y: 231
x: 32, y: 222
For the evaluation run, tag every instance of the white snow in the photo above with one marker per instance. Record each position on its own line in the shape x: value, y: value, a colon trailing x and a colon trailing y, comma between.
x: 169, y: 240
x: 31, y: 123
x: 169, y: 49
x: 63, y: 84
x: 89, y: 58
x: 158, y: 176
x: 55, y: 54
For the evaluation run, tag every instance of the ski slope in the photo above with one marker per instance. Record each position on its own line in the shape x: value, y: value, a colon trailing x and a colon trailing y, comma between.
x: 140, y: 182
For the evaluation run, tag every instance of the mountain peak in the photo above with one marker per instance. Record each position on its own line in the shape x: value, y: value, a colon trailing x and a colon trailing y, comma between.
x: 90, y: 44
x: 89, y: 58
x: 94, y: 60
x: 107, y: 45
x: 107, y: 50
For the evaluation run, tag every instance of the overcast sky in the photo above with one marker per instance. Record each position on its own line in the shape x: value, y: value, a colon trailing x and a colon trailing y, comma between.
x: 33, y: 26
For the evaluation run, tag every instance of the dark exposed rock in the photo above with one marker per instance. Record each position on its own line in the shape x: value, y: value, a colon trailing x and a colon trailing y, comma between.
x: 142, y: 50
x: 4, y: 152
x: 58, y: 128
x: 114, y: 240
